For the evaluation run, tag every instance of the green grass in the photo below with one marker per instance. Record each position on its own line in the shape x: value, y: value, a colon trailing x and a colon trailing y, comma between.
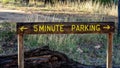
x: 80, y: 47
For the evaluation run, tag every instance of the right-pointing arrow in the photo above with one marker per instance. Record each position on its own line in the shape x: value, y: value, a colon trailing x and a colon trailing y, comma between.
x: 107, y: 27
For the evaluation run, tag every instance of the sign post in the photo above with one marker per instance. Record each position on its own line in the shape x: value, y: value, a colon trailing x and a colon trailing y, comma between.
x: 20, y: 51
x: 109, y: 50
x: 65, y: 28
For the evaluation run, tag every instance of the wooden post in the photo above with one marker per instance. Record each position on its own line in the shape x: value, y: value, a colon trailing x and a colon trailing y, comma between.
x: 20, y: 51
x: 109, y: 50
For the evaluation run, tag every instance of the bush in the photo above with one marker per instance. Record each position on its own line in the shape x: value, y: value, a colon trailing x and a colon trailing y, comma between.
x: 106, y: 2
x: 5, y: 1
x: 8, y: 38
x: 8, y: 1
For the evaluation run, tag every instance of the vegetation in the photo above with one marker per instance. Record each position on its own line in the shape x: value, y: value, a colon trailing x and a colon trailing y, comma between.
x: 7, y: 38
x: 85, y: 48
x: 62, y: 1
x: 69, y: 7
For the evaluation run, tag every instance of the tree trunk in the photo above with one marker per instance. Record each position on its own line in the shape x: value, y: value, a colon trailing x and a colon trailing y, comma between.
x: 119, y: 18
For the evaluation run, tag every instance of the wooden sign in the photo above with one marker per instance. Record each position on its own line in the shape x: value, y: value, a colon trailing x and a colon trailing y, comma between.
x: 65, y: 28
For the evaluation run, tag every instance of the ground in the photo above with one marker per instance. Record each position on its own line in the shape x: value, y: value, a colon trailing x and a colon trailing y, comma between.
x: 11, y: 15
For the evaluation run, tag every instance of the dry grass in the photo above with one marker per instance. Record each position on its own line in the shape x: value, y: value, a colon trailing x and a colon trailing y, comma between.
x: 76, y: 8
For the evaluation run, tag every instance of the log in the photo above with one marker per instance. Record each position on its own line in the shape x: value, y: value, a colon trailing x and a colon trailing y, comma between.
x: 34, y: 58
x: 43, y: 58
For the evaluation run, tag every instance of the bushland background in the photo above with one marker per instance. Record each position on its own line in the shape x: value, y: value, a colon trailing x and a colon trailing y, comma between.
x: 88, y: 49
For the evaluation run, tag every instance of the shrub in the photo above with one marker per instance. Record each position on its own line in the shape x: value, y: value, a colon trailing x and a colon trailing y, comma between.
x: 5, y: 1
x: 8, y: 1
x: 106, y: 2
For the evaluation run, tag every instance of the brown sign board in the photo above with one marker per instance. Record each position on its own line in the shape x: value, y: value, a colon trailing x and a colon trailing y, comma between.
x: 65, y: 27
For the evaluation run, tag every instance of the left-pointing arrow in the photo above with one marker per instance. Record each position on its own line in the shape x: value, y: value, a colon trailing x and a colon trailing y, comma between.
x: 22, y: 28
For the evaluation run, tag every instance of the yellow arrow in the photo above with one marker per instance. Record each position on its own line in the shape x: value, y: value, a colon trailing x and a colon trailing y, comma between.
x: 106, y: 27
x: 22, y: 28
